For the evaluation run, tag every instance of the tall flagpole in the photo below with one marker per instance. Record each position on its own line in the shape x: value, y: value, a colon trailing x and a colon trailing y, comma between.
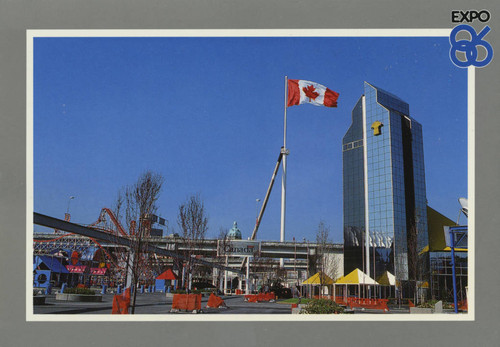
x: 283, y: 177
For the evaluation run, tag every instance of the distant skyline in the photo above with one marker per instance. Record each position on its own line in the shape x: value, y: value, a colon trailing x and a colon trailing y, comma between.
x: 207, y: 114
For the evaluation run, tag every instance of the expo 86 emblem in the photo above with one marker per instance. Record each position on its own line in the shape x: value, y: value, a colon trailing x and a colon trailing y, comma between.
x: 470, y: 47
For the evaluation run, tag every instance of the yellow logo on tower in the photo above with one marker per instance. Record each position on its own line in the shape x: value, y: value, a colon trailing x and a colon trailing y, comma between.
x: 376, y: 128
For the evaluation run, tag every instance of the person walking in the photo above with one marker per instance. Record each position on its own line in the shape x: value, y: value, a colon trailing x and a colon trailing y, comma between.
x: 299, y: 295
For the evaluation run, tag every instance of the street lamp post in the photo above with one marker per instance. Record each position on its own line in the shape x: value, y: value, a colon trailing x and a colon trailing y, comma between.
x: 67, y: 216
x: 70, y: 198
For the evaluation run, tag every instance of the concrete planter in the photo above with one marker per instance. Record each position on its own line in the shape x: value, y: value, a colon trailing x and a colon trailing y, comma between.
x: 296, y: 308
x: 420, y: 310
x: 78, y: 297
x: 39, y: 300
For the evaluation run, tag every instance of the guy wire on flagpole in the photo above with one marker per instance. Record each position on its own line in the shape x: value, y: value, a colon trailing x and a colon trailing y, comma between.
x: 283, y: 177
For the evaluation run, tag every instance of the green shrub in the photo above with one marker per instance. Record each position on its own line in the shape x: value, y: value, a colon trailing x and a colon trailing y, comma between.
x: 83, y: 291
x: 431, y: 303
x: 322, y: 306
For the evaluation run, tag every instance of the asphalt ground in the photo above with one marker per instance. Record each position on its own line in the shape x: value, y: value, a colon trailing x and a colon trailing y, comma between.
x: 157, y: 303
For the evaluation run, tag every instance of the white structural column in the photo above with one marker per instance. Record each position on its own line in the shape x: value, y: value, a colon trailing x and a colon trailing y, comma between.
x: 130, y: 270
x: 247, y: 287
x: 283, y: 177
x: 225, y: 278
x: 367, y: 212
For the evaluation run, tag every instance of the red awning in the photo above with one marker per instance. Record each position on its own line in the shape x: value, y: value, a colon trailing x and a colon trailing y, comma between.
x: 167, y: 275
x: 76, y: 269
x: 98, y: 270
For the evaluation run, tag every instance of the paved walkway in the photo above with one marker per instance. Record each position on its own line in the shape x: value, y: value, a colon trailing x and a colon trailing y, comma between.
x: 156, y: 303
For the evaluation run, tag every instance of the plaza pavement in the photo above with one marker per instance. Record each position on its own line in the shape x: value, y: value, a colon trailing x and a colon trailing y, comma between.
x: 157, y: 303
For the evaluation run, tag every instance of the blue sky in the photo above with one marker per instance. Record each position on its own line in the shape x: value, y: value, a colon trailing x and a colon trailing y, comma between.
x: 207, y: 113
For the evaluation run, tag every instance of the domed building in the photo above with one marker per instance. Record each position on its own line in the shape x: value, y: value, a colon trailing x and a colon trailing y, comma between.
x: 234, y: 233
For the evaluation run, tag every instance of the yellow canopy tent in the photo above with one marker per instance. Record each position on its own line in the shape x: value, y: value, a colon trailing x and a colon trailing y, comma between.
x: 387, y: 280
x: 358, y: 278
x: 319, y: 279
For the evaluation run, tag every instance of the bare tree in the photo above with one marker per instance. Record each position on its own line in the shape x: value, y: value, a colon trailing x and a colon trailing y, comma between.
x: 409, y: 265
x: 193, y: 222
x: 139, y: 201
x: 326, y: 262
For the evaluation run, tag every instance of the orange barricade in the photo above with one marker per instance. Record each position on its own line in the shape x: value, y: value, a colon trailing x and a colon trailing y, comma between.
x: 121, y: 303
x: 378, y: 304
x: 252, y: 298
x: 462, y: 305
x: 188, y: 302
x: 270, y: 296
x: 215, y: 301
x: 260, y: 297
x: 411, y: 304
x: 341, y: 300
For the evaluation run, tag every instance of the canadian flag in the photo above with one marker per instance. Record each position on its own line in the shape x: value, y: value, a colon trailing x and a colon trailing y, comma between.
x: 301, y: 92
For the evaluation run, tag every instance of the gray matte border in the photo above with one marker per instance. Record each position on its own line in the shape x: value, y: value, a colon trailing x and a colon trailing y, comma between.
x: 17, y: 16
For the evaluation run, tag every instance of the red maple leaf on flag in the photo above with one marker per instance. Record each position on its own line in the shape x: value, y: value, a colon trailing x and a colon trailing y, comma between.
x: 310, y: 92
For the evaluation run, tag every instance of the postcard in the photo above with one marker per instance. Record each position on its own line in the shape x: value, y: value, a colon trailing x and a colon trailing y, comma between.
x: 155, y: 195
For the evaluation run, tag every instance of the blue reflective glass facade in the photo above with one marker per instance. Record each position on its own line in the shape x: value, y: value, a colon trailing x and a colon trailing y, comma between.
x: 395, y: 195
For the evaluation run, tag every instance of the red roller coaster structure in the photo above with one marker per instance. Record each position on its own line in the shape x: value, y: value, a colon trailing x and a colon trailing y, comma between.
x: 117, y: 256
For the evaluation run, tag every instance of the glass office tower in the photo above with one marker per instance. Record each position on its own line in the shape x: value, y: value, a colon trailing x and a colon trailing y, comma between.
x: 385, y: 206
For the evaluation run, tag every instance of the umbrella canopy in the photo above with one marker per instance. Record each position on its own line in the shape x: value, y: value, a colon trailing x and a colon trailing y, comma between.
x: 319, y: 278
x: 387, y: 279
x: 356, y: 277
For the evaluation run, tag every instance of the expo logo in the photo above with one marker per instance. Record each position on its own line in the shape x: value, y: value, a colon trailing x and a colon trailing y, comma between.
x: 469, y: 16
x: 469, y: 47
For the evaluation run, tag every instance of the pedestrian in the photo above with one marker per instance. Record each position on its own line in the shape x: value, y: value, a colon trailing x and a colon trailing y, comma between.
x: 298, y: 295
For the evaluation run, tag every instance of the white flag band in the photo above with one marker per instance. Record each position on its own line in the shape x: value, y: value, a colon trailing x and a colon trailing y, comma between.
x: 302, y: 91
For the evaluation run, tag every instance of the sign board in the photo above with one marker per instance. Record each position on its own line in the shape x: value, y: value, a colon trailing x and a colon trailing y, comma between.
x: 238, y: 248
x: 459, y: 235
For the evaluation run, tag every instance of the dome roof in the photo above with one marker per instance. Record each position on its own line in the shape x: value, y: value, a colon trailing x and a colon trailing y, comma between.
x: 234, y: 233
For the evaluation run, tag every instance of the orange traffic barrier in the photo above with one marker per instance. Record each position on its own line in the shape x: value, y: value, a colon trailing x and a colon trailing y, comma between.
x: 378, y: 304
x: 215, y: 301
x: 260, y: 297
x: 188, y: 302
x: 121, y: 303
x: 411, y: 304
x: 462, y: 305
